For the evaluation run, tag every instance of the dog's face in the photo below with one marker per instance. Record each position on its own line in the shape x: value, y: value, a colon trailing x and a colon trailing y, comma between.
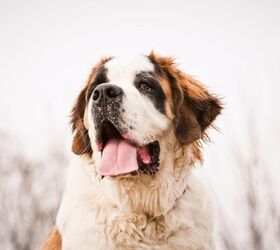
x: 129, y: 106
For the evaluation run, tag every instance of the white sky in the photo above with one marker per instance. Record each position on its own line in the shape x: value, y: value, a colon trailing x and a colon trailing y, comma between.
x: 48, y: 47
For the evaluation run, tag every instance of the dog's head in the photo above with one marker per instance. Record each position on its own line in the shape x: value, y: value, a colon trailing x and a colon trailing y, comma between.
x: 131, y: 106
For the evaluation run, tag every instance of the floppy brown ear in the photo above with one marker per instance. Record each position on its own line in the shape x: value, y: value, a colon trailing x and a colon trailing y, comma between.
x: 81, y: 142
x: 196, y: 110
x: 194, y: 107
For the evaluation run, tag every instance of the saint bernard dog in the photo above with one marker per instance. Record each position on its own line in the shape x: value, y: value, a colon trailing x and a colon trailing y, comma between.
x: 138, y: 125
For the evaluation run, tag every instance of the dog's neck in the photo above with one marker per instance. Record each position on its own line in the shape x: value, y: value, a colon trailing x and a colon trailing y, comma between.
x: 152, y: 195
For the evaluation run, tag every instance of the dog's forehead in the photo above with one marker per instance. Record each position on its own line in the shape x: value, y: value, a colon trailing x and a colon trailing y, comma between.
x: 125, y: 68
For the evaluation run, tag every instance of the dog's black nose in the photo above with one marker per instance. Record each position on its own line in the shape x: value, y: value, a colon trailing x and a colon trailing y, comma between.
x: 105, y: 93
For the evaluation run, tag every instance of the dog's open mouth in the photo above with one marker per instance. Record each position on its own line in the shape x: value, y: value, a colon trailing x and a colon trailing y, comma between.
x: 122, y: 156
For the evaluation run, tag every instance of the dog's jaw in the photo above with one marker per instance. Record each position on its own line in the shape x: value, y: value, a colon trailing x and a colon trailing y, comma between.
x: 156, y: 194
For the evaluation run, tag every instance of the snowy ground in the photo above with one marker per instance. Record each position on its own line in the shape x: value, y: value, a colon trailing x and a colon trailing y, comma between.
x: 46, y: 51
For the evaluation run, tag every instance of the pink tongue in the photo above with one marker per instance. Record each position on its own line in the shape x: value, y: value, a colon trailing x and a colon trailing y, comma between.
x: 118, y: 157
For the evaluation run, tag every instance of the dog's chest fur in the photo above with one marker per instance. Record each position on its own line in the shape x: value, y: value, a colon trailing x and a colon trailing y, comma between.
x: 87, y: 218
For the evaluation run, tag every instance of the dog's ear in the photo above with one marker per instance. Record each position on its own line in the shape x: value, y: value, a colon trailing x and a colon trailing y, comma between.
x: 81, y: 142
x: 194, y: 107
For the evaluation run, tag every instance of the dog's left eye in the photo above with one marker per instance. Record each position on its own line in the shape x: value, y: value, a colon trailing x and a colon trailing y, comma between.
x: 145, y: 86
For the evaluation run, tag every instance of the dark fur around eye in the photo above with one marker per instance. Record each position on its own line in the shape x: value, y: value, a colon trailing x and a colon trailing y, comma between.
x: 101, y: 77
x: 144, y: 81
x: 147, y: 85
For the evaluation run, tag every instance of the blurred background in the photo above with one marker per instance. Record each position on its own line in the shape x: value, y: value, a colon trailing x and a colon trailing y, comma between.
x: 47, y: 49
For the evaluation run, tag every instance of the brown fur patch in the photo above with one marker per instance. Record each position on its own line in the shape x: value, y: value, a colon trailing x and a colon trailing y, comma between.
x: 194, y: 108
x: 81, y: 141
x: 94, y: 70
x: 53, y: 242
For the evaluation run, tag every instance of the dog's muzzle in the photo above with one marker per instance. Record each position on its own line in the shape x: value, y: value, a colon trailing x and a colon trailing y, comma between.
x: 107, y: 101
x: 120, y: 153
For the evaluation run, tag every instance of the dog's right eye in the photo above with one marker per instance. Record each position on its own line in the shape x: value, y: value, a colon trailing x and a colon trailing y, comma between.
x: 145, y: 86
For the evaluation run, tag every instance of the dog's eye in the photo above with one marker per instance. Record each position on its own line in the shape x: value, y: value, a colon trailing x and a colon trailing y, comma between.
x: 145, y: 86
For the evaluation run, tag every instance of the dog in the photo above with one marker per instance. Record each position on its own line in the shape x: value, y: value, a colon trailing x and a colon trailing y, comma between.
x: 138, y: 125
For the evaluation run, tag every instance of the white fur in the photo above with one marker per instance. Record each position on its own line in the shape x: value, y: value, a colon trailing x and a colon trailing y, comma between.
x: 169, y: 210
x: 124, y: 214
x: 140, y: 113
x: 124, y: 69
